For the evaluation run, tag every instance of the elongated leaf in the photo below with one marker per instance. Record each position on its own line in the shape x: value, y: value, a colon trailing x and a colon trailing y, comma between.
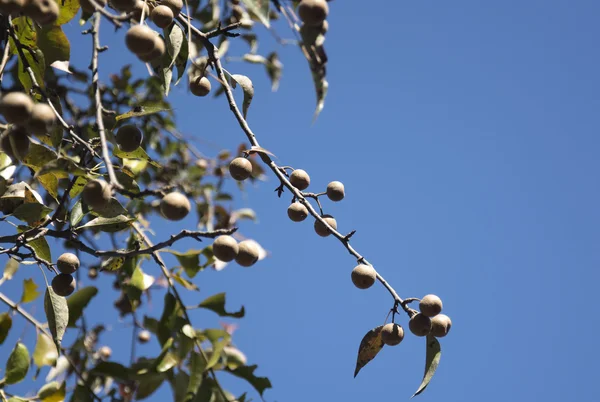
x: 17, y: 365
x: 10, y: 268
x: 30, y: 291
x: 5, y: 326
x: 184, y: 282
x: 52, y: 392
x: 78, y: 301
x: 45, y: 353
x: 35, y: 59
x: 197, y: 368
x: 148, y: 384
x: 370, y: 345
x: 111, y: 210
x: 57, y: 313
x: 112, y: 369
x: 260, y: 8
x: 31, y: 212
x: 110, y: 225
x: 216, y: 353
x: 137, y: 154
x: 260, y: 384
x: 174, y: 39
x: 39, y: 245
x: 141, y: 111
x: 248, y: 89
x: 54, y: 44
x: 76, y: 214
x: 216, y: 303
x: 432, y: 360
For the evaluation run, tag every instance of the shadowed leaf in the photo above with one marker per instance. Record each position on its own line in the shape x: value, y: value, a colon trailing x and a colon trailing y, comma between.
x: 112, y: 264
x: 10, y: 268
x: 54, y: 44
x: 260, y: 8
x: 197, y: 368
x: 52, y: 392
x: 110, y: 225
x: 5, y: 325
x: 57, y: 313
x: 142, y: 111
x: 432, y: 360
x: 78, y: 301
x: 39, y: 245
x: 112, y: 369
x: 370, y: 345
x: 216, y: 303
x: 260, y: 384
x: 17, y: 365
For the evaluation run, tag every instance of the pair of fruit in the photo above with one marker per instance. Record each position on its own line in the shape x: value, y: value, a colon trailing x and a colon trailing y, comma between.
x: 145, y: 43
x: 245, y: 253
x: 64, y: 284
x: 301, y: 180
x: 44, y: 12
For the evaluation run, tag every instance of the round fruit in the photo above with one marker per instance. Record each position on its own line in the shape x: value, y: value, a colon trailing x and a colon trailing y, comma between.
x: 44, y: 12
x: 248, y: 253
x: 335, y: 191
x: 15, y: 143
x: 440, y: 325
x: 419, y: 324
x: 8, y: 7
x: 129, y: 138
x: 86, y: 5
x: 137, y: 10
x: 313, y: 12
x: 175, y: 5
x: 430, y: 305
x: 300, y: 179
x: 321, y: 229
x: 144, y: 336
x: 93, y: 273
x: 175, y: 206
x: 16, y: 107
x: 392, y: 334
x: 162, y: 16
x: 157, y: 52
x: 297, y: 212
x: 96, y: 194
x: 67, y: 263
x: 42, y: 119
x: 363, y: 276
x: 123, y: 5
x: 140, y: 39
x: 105, y: 352
x: 225, y: 248
x: 240, y: 169
x: 63, y: 284
x: 200, y: 86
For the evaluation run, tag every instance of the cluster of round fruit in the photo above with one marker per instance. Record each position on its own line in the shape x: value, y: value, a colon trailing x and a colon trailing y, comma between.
x: 44, y: 12
x: 26, y: 117
x: 428, y: 321
x: 63, y: 284
x: 245, y: 253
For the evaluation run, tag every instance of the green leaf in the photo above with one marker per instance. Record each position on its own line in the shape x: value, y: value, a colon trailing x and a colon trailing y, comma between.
x: 30, y: 291
x: 174, y: 40
x: 184, y: 282
x: 52, y: 392
x: 57, y: 313
x: 78, y: 186
x: 217, y: 350
x: 260, y: 384
x: 370, y: 345
x: 112, y: 264
x: 141, y: 111
x: 141, y: 280
x: 62, y: 167
x: 181, y: 60
x: 68, y: 11
x: 35, y: 59
x: 76, y: 214
x: 17, y: 365
x: 137, y: 154
x: 39, y: 245
x: 432, y: 360
x: 112, y: 369
x: 248, y: 89
x: 197, y: 368
x: 148, y: 384
x: 50, y: 182
x: 167, y: 324
x: 169, y: 361
x: 45, y: 353
x: 164, y: 70
x: 190, y: 261
x: 111, y: 210
x: 81, y: 394
x: 54, y: 44
x: 110, y: 225
x: 5, y: 326
x: 31, y: 212
x: 10, y: 268
x: 216, y: 303
x: 260, y: 8
x: 78, y: 301
x: 25, y: 32
x: 38, y: 155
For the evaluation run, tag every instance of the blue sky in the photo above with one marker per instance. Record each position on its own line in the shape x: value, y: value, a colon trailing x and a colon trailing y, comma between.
x: 466, y: 134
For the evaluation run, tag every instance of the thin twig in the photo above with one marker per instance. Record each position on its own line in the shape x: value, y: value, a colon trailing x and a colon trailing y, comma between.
x: 5, y: 58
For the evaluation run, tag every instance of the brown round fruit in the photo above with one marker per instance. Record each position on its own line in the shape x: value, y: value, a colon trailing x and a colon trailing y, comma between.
x: 140, y: 39
x: 96, y: 194
x: 67, y: 263
x: 63, y: 284
x: 44, y: 12
x: 248, y: 253
x: 123, y: 5
x: 440, y: 325
x: 200, y: 86
x: 313, y: 12
x: 175, y: 206
x: 240, y: 169
x: 86, y: 5
x: 430, y: 305
x: 144, y: 336
x: 363, y: 276
x: 175, y: 5
x: 42, y: 119
x: 419, y: 324
x: 105, y: 352
x: 335, y: 191
x: 8, y: 7
x: 297, y: 212
x: 392, y: 334
x: 15, y: 143
x: 225, y: 248
x: 162, y: 16
x: 300, y: 179
x: 129, y: 138
x: 321, y: 229
x: 157, y: 52
x: 16, y: 107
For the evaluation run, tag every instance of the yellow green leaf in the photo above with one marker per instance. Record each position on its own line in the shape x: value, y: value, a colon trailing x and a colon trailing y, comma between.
x: 68, y: 11
x: 370, y: 345
x: 30, y: 291
x: 432, y: 360
x: 45, y: 353
x: 52, y: 392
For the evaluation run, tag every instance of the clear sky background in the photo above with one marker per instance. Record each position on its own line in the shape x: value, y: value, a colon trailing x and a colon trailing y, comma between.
x: 467, y: 135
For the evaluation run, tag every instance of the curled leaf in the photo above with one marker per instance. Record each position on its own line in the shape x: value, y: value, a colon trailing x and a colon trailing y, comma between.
x: 248, y: 89
x: 370, y: 345
x: 432, y: 360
